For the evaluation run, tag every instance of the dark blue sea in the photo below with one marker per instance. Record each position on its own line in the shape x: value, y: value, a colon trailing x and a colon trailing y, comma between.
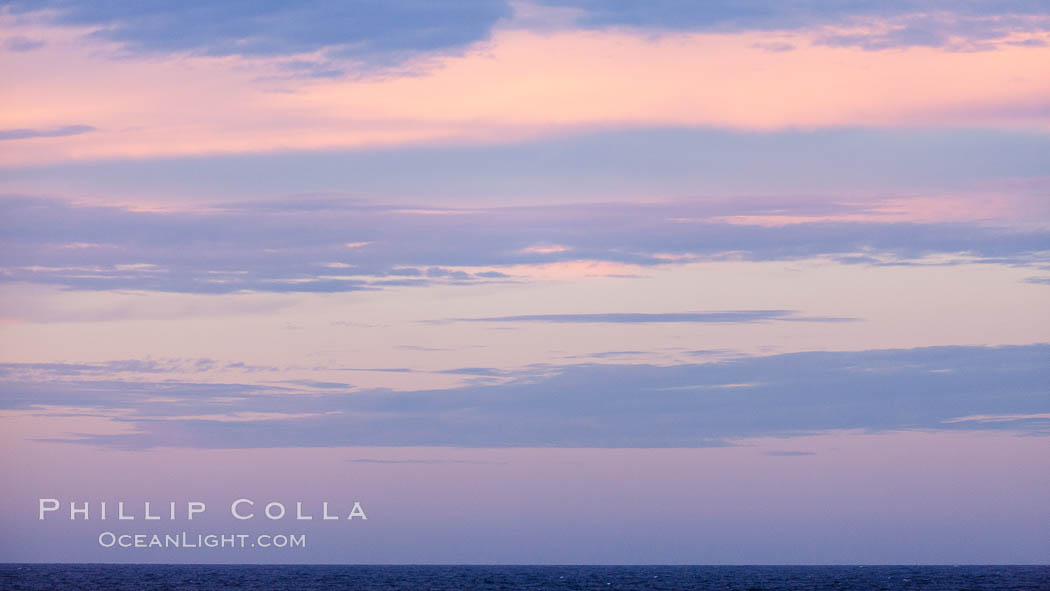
x: 115, y: 577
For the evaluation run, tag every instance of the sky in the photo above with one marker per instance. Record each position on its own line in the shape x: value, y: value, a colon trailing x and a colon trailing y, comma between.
x: 549, y: 282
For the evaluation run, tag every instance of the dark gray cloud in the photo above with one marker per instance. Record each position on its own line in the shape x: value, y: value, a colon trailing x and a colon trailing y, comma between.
x: 26, y: 133
x: 316, y: 245
x: 590, y: 405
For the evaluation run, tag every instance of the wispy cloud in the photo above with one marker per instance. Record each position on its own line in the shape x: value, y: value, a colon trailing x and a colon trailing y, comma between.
x: 377, y: 33
x: 21, y: 44
x: 363, y: 81
x: 544, y: 249
x: 259, y: 247
x: 108, y: 368
x: 586, y: 405
x: 26, y: 133
x: 998, y: 418
x: 434, y: 462
x: 926, y: 23
x: 729, y: 316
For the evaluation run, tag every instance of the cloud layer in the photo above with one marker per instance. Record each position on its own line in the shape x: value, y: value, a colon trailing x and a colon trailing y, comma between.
x: 589, y: 405
x: 385, y: 30
x: 64, y: 131
x: 870, y: 25
x: 340, y: 245
x: 732, y: 316
x: 359, y: 29
x: 278, y: 78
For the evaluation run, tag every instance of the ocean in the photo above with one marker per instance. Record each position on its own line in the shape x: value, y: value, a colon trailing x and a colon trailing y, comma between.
x: 116, y: 577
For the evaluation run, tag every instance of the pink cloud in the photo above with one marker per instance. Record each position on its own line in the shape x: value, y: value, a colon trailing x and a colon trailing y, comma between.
x: 518, y: 85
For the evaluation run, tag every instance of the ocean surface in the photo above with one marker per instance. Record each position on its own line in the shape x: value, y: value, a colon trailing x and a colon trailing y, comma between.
x: 438, y: 578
